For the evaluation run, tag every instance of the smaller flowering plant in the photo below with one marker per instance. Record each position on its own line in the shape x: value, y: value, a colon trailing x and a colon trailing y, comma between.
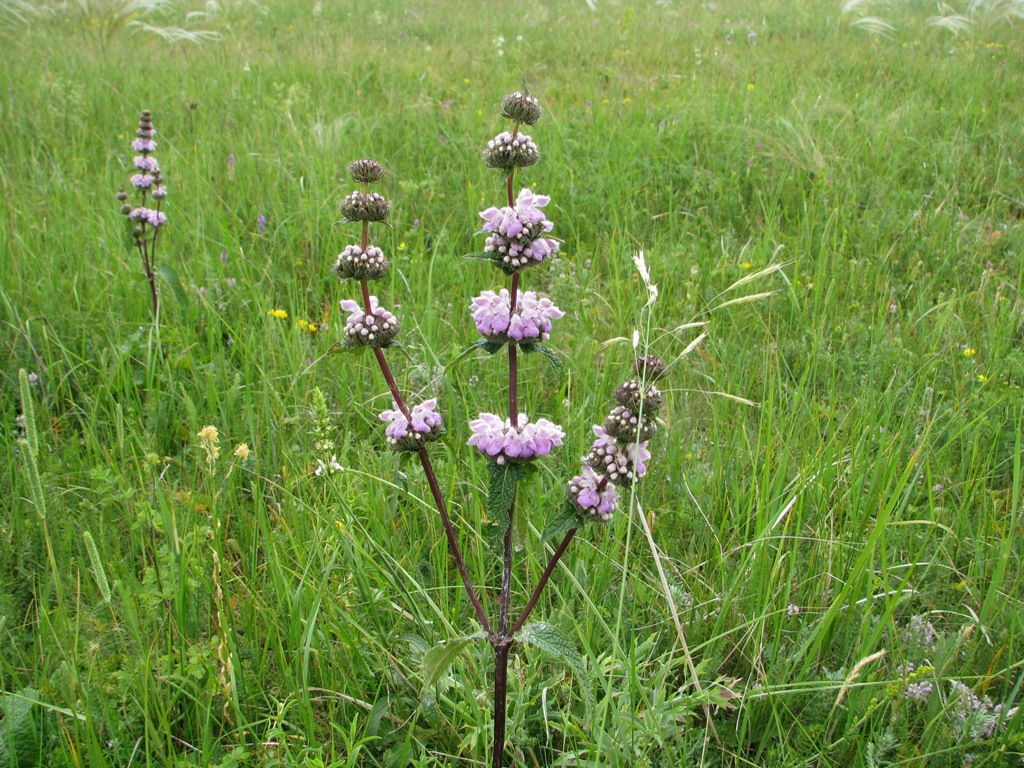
x: 146, y: 218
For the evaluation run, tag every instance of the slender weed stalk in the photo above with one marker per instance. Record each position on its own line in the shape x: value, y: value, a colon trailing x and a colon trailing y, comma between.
x: 518, y: 320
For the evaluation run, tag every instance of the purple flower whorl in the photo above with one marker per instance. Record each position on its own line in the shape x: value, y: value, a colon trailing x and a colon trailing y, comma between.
x: 359, y: 264
x: 377, y: 329
x: 423, y: 426
x: 593, y: 495
x: 500, y: 442
x: 516, y: 234
x: 531, y: 322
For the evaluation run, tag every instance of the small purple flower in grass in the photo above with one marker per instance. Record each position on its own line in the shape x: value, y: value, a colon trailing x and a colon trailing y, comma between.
x: 142, y: 181
x: 261, y: 224
x: 919, y: 691
x: 530, y: 322
x: 498, y: 440
x: 405, y: 435
x: 147, y: 215
x: 593, y: 494
x: 147, y: 164
x: 377, y: 329
x: 144, y: 145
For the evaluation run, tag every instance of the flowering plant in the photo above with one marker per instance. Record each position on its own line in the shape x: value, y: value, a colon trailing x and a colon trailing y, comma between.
x: 512, y: 319
x: 146, y: 218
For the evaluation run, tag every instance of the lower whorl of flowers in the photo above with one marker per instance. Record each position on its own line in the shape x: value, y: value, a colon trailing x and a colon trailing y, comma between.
x: 147, y: 215
x: 410, y: 434
x: 359, y: 264
x: 378, y: 328
x: 502, y: 443
x: 593, y: 495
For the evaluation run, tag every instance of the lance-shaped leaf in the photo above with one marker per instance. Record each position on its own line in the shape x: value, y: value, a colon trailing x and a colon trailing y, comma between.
x: 553, y: 358
x: 563, y: 522
x: 438, y: 659
x: 550, y: 639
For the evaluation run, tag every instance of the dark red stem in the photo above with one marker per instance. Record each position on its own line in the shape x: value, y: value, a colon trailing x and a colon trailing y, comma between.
x: 453, y: 544
x: 500, y: 690
x: 543, y: 581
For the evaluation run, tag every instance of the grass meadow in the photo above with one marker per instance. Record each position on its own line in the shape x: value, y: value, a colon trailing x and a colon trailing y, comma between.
x: 824, y: 567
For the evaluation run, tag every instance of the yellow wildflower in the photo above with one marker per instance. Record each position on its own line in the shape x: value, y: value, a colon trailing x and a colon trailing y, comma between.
x: 745, y: 265
x: 401, y: 246
x: 982, y: 378
x: 750, y: 86
x: 970, y: 352
x: 242, y: 451
x: 280, y: 314
x: 208, y: 440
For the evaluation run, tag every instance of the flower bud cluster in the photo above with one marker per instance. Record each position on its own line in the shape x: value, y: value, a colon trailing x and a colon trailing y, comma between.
x: 369, y: 324
x: 364, y: 262
x: 377, y: 328
x: 365, y: 206
x: 510, y: 150
x: 531, y: 321
x: 410, y: 434
x: 516, y: 234
x: 502, y: 443
x: 147, y: 181
x: 619, y: 455
x: 521, y: 107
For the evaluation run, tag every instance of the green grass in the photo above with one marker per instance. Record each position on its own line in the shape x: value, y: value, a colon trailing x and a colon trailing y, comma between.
x: 878, y: 479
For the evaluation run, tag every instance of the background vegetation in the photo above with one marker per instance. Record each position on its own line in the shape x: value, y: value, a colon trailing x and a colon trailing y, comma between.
x: 864, y: 516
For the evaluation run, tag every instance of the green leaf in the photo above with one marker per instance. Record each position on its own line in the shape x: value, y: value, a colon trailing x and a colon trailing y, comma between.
x: 550, y: 639
x: 550, y: 354
x: 169, y: 276
x: 437, y: 660
x: 501, y: 491
x: 19, y: 729
x: 490, y: 256
x: 559, y: 525
x: 490, y: 347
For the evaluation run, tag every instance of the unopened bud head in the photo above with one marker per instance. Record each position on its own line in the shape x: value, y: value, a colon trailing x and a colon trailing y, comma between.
x: 366, y: 171
x: 365, y: 206
x: 521, y: 107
